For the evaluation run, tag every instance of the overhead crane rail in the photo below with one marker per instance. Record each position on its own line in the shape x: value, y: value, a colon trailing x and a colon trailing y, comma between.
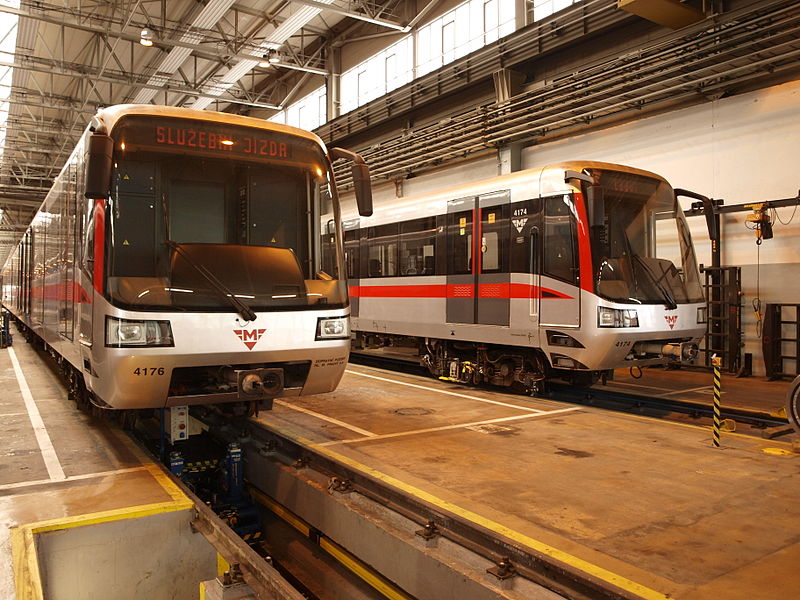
x: 699, y: 62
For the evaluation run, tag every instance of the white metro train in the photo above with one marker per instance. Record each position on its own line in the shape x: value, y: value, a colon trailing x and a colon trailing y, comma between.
x: 176, y: 261
x: 564, y: 272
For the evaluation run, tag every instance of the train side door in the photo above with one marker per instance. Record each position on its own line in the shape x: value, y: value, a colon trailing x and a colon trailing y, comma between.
x: 461, y: 270
x: 493, y: 277
x: 559, y: 294
x: 477, y: 256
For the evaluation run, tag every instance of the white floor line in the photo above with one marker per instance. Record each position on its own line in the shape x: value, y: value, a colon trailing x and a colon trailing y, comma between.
x: 446, y: 427
x: 430, y: 389
x: 49, y: 456
x: 697, y: 389
x: 21, y: 484
x: 325, y: 418
x: 639, y: 385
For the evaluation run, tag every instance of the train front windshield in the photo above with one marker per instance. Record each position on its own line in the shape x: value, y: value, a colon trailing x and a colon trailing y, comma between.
x: 641, y: 246
x: 201, y: 213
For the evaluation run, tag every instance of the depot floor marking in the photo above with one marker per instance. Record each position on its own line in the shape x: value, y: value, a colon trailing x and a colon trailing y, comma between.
x: 447, y: 427
x: 447, y: 392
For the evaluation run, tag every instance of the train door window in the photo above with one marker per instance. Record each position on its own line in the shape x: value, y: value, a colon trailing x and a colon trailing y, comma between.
x: 490, y: 246
x: 417, y: 247
x: 559, y: 239
x: 459, y: 242
x: 381, y: 251
x: 494, y: 239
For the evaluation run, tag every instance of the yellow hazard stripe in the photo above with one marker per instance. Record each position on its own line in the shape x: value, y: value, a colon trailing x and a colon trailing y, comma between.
x: 23, y: 547
x: 350, y: 562
x: 282, y: 512
x: 27, y: 581
x: 583, y: 565
x: 222, y: 565
x: 360, y: 570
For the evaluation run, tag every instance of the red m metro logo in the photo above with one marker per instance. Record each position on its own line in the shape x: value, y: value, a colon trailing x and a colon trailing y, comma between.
x: 671, y: 320
x: 250, y: 338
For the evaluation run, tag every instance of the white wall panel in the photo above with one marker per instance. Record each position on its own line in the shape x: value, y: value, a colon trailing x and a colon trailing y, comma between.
x: 742, y: 149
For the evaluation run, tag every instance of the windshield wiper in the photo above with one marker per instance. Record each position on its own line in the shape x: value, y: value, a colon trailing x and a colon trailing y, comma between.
x: 244, y: 311
x: 670, y: 300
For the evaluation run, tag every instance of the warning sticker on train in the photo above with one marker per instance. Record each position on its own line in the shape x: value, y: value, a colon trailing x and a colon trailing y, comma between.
x: 250, y: 338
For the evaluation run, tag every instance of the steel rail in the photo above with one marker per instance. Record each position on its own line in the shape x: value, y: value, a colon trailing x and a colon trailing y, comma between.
x: 757, y: 418
x: 266, y: 443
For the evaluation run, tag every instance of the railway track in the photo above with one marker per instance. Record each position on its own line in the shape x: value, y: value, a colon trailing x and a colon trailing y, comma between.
x: 602, y: 396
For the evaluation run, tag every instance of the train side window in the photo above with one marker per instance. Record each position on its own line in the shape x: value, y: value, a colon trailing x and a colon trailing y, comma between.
x: 526, y: 220
x: 381, y: 251
x: 328, y: 247
x: 351, y: 253
x: 459, y: 243
x: 559, y: 239
x: 88, y: 240
x: 417, y: 247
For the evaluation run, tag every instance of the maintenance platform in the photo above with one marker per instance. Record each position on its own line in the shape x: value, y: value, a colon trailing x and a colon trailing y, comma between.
x: 638, y: 507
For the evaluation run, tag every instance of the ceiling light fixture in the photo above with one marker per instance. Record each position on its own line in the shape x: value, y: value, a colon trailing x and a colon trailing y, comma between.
x: 270, y: 58
x: 146, y: 38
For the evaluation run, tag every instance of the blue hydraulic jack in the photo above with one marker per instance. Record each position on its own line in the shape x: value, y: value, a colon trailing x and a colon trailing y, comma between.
x: 236, y: 508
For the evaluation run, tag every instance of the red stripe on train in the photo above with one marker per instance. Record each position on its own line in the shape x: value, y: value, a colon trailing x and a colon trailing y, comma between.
x: 70, y: 292
x: 485, y: 290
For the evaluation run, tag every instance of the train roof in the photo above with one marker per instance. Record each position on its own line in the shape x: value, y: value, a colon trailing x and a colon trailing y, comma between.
x: 107, y: 117
x: 550, y: 177
x: 531, y: 183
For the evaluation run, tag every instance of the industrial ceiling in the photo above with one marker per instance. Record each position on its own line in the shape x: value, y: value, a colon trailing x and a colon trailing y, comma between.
x: 591, y: 64
x: 62, y: 60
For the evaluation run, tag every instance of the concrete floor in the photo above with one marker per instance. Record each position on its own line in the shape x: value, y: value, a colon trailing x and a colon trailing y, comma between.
x: 66, y: 470
x: 650, y: 502
x: 646, y: 500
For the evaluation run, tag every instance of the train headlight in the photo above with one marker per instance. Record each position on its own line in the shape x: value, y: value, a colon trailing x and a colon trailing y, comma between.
x: 616, y: 317
x: 702, y: 314
x: 124, y: 333
x: 333, y: 328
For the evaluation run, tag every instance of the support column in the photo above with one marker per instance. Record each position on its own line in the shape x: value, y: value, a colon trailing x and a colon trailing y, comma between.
x: 333, y: 83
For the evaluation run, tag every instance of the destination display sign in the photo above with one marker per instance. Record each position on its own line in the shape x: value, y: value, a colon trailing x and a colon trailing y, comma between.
x: 140, y: 132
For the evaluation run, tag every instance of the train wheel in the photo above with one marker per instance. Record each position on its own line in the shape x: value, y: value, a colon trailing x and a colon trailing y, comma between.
x: 793, y: 404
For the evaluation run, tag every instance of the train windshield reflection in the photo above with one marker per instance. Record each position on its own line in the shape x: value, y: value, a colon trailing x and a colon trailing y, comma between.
x: 203, y: 233
x: 642, y: 249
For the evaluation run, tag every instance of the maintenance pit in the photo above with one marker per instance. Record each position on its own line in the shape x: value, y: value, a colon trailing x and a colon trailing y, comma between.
x: 423, y: 489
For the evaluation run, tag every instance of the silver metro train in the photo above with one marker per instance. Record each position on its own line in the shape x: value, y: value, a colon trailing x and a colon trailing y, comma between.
x: 177, y: 261
x: 565, y: 272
